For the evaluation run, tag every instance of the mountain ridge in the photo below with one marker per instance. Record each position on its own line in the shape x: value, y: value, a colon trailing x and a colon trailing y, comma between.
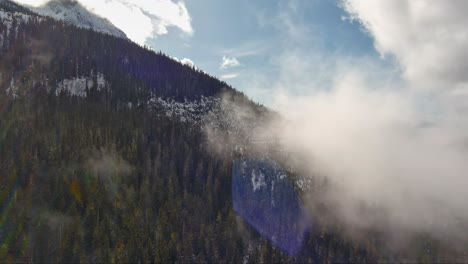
x: 73, y: 12
x: 105, y: 157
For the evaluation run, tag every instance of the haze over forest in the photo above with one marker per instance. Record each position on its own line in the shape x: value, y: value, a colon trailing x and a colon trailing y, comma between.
x: 215, y: 131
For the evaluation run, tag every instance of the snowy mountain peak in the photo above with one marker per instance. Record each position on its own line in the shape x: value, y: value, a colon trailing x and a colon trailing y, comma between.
x: 72, y: 12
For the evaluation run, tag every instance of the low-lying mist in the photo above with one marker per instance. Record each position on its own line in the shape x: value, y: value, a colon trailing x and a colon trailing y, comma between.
x: 394, y: 159
x: 381, y: 148
x: 392, y: 145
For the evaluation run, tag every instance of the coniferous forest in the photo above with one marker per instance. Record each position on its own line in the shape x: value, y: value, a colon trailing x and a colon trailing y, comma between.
x: 90, y: 179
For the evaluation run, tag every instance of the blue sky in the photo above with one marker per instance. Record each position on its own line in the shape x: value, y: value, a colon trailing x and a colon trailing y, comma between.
x: 269, y: 47
x: 253, y: 38
x: 255, y: 32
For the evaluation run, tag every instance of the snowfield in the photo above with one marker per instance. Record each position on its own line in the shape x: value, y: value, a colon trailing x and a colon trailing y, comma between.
x: 11, y: 22
x: 78, y: 86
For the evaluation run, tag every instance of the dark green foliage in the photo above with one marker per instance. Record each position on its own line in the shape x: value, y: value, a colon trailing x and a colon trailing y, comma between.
x: 92, y: 180
x: 63, y: 51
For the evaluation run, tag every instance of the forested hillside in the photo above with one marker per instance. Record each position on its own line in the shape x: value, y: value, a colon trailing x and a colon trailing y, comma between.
x: 89, y: 173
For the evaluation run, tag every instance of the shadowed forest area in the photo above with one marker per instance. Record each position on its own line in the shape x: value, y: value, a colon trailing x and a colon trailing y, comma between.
x: 91, y: 179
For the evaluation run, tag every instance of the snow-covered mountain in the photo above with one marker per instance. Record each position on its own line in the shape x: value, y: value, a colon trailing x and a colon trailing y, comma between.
x: 72, y: 12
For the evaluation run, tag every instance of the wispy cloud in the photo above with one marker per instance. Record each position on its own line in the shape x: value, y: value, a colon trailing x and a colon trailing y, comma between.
x: 247, y: 49
x: 229, y: 62
x: 365, y: 124
x: 432, y: 37
x: 229, y: 76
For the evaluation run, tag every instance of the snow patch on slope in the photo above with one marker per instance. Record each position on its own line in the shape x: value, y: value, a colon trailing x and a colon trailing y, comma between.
x: 258, y: 180
x: 11, y: 21
x: 212, y: 111
x: 12, y: 90
x: 79, y: 86
x: 219, y: 118
x: 195, y: 111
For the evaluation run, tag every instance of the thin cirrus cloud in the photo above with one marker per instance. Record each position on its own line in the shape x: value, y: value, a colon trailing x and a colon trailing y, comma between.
x: 229, y: 76
x: 229, y: 62
x: 143, y: 19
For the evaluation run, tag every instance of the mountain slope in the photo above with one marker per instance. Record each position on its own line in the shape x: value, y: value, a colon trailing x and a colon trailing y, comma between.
x: 94, y: 171
x: 72, y: 52
x: 104, y: 158
x: 72, y: 12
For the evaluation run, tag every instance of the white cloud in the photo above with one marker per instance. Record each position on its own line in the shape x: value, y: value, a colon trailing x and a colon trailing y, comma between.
x: 229, y: 76
x: 378, y: 143
x: 186, y: 61
x: 377, y: 138
x: 229, y: 62
x: 139, y: 19
x: 429, y: 38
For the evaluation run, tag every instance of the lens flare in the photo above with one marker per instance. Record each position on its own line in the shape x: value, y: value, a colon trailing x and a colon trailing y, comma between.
x: 265, y: 198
